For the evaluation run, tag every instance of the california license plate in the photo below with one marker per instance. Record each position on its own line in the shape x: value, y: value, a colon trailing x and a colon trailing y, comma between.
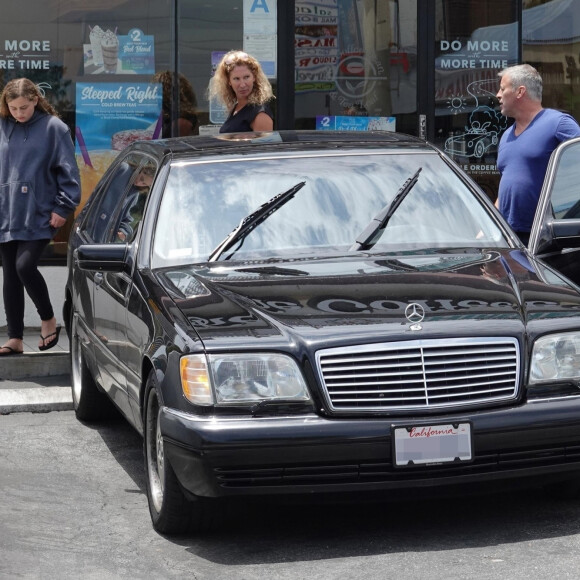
x: 432, y: 444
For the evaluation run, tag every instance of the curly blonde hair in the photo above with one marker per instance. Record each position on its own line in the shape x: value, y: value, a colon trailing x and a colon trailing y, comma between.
x: 220, y: 88
x: 23, y: 88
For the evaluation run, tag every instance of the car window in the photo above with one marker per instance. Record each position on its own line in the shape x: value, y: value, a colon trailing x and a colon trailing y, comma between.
x: 340, y: 196
x: 566, y: 188
x: 118, y: 210
x: 133, y: 204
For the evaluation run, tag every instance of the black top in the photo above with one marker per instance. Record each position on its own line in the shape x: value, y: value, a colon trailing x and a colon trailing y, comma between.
x: 241, y: 121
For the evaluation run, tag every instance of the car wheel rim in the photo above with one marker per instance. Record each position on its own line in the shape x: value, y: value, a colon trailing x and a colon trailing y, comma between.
x: 76, y: 362
x: 160, y: 456
x: 155, y: 453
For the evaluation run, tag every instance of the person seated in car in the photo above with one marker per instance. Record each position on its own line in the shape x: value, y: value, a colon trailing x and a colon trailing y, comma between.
x: 134, y: 204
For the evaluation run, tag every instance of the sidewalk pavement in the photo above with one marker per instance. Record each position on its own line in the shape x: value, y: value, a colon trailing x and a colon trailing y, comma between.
x: 37, y: 381
x: 36, y: 395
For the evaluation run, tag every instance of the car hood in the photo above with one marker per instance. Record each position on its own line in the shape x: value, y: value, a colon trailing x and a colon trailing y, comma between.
x: 368, y: 297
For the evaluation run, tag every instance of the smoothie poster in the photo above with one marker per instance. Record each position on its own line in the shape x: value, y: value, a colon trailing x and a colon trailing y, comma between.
x: 110, y: 116
x: 108, y: 52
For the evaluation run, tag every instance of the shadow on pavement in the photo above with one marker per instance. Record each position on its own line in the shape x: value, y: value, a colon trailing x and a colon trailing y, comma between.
x: 281, y: 529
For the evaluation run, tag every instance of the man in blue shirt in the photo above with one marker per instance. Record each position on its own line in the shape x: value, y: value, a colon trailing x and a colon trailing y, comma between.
x: 525, y: 148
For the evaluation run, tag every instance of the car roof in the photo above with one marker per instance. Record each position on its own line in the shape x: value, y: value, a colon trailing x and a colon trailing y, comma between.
x: 278, y: 141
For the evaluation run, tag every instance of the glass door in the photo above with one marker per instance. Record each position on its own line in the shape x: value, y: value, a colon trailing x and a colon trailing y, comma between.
x: 356, y: 64
x: 205, y: 31
x: 473, y: 41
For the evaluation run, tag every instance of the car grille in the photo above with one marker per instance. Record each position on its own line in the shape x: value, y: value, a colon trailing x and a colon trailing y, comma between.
x: 420, y: 374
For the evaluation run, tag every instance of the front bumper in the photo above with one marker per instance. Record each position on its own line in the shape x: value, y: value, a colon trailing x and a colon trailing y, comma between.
x: 306, y: 454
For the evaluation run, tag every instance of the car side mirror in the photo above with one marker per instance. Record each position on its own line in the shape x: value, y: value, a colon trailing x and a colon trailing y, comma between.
x: 103, y: 257
x: 566, y: 233
x: 557, y: 235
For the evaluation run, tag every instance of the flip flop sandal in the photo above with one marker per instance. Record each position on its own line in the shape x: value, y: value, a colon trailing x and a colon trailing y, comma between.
x: 53, y: 341
x: 11, y: 351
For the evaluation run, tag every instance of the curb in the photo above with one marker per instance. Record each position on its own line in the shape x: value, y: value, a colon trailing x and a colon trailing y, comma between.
x: 35, y: 400
x: 34, y: 364
x: 35, y: 382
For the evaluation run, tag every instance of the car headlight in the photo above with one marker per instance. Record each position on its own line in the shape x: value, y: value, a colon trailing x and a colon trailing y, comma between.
x: 241, y: 379
x: 556, y: 357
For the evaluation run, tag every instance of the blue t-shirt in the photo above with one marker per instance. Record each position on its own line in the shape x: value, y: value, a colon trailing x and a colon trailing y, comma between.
x: 522, y: 161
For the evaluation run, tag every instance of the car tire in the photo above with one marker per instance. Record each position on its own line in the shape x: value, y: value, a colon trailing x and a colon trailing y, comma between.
x: 89, y: 403
x: 171, y: 511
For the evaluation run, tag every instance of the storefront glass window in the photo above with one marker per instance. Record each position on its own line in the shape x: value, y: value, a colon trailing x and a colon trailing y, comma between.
x: 95, y: 61
x: 474, y: 41
x: 355, y: 64
x: 120, y: 70
x: 206, y: 30
x: 551, y: 43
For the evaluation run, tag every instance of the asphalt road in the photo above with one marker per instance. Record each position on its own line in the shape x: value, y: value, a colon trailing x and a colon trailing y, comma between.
x: 72, y: 505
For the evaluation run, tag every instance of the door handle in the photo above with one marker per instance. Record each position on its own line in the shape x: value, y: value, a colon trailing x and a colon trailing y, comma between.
x: 98, y: 278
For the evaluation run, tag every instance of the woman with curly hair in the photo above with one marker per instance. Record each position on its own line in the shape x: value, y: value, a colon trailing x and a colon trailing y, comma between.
x: 187, y: 115
x: 241, y: 85
x: 39, y: 189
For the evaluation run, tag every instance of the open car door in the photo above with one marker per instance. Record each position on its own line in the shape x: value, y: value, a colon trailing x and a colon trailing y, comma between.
x: 555, y: 235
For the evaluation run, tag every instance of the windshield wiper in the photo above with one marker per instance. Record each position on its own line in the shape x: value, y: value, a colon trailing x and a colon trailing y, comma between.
x: 252, y: 221
x: 369, y: 236
x: 273, y: 271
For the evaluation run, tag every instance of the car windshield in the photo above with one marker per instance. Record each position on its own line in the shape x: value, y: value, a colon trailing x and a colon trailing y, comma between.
x: 342, y: 193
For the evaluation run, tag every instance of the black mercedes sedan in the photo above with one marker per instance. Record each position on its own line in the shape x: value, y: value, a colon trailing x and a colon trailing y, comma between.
x: 324, y: 312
